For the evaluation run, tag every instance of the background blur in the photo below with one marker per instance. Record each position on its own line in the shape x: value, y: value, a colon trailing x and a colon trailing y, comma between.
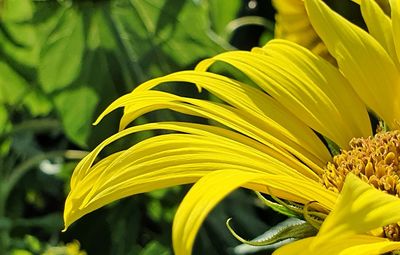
x: 61, y: 63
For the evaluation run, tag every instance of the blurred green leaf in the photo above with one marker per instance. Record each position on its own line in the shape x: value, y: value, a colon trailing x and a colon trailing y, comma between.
x: 222, y: 12
x: 21, y: 252
x: 113, y: 46
x: 17, y: 10
x: 17, y: 34
x: 155, y: 248
x: 61, y: 56
x: 76, y: 107
x: 5, y: 126
x: 37, y: 102
x: 4, y: 121
x: 12, y: 86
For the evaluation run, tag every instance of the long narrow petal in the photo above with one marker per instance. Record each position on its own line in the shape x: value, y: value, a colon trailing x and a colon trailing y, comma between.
x: 251, y: 107
x: 379, y: 26
x: 363, y: 61
x: 395, y: 10
x: 174, y: 159
x: 211, y: 189
x: 306, y: 85
x: 293, y: 24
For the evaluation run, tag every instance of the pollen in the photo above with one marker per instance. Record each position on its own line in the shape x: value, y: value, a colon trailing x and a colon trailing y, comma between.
x: 375, y: 160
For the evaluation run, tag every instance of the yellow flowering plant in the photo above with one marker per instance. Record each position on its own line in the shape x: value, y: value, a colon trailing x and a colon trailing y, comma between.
x: 273, y: 138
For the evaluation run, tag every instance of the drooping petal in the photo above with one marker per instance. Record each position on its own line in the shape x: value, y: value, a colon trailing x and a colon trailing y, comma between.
x: 307, y: 85
x: 251, y: 112
x: 199, y: 201
x: 174, y: 159
x: 211, y: 189
x: 362, y: 60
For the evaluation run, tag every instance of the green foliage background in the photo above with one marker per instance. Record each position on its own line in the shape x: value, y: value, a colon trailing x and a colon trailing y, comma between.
x: 61, y: 63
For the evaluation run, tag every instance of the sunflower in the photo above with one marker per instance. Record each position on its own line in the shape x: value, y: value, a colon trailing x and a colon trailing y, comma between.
x: 278, y: 137
x: 292, y: 23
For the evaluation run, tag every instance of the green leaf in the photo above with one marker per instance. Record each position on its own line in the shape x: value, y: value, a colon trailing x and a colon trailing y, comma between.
x: 37, y: 103
x: 12, y: 86
x: 155, y: 248
x: 123, y: 43
x: 159, y: 37
x: 17, y: 34
x: 5, y: 126
x: 221, y: 13
x: 17, y: 10
x: 62, y: 54
x: 76, y: 108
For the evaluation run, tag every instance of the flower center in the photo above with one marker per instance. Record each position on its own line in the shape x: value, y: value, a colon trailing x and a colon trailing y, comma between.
x: 375, y: 160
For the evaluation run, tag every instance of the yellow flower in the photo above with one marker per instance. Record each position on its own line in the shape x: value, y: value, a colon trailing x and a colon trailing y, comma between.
x: 293, y: 24
x: 73, y: 248
x: 271, y: 138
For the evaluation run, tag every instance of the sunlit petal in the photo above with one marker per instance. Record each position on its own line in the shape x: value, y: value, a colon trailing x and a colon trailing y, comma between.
x: 363, y: 61
x: 174, y: 159
x: 379, y: 26
x: 293, y: 24
x: 254, y: 113
x: 306, y: 85
x: 207, y: 192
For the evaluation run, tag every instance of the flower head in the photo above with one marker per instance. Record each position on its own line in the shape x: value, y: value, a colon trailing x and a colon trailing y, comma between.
x: 271, y: 138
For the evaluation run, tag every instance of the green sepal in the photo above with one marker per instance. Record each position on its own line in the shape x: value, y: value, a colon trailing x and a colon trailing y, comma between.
x: 298, y: 230
x: 288, y: 210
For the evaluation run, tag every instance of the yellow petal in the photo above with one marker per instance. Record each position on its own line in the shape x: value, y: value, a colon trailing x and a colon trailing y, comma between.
x: 379, y: 26
x: 363, y: 61
x: 299, y: 247
x: 207, y: 192
x: 199, y: 201
x: 395, y: 10
x: 308, y: 86
x: 359, y: 209
x: 293, y: 24
x: 353, y: 245
x: 174, y: 159
x: 253, y: 113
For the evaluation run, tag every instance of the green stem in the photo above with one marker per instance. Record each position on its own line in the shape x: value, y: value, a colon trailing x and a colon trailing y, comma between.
x: 6, y: 185
x: 249, y: 20
x: 36, y: 125
x: 25, y: 166
x: 41, y: 125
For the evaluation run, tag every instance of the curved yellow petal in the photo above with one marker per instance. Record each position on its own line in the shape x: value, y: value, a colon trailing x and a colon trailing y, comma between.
x: 373, y: 246
x: 395, y: 14
x: 174, y: 159
x: 362, y: 60
x: 292, y: 23
x: 211, y: 189
x: 251, y: 112
x: 308, y: 86
x: 199, y: 201
x: 379, y: 26
x: 353, y: 245
x: 359, y: 209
